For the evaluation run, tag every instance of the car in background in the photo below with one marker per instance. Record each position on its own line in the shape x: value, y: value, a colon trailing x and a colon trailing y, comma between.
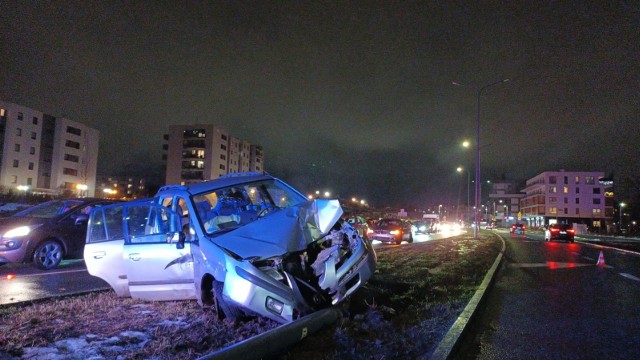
x: 518, y: 229
x: 47, y: 233
x: 242, y: 244
x: 391, y: 230
x: 559, y: 232
x: 420, y: 227
x: 360, y: 224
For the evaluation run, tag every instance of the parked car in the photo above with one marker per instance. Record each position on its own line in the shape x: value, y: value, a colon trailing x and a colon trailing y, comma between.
x: 245, y: 244
x: 518, y: 229
x: 559, y: 232
x: 47, y: 233
x: 391, y: 231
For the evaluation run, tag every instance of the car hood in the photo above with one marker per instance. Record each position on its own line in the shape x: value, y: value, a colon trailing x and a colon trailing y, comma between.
x: 14, y: 221
x: 283, y: 231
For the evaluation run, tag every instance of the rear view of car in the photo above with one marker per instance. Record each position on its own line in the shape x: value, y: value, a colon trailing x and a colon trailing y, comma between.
x: 518, y: 229
x: 559, y: 232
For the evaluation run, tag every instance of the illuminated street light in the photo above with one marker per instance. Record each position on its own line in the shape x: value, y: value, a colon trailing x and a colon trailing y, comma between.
x: 327, y: 194
x: 466, y: 144
x: 621, y: 206
x: 461, y: 169
x: 477, y: 184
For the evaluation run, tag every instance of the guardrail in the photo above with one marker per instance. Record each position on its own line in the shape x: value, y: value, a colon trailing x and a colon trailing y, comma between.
x: 274, y: 342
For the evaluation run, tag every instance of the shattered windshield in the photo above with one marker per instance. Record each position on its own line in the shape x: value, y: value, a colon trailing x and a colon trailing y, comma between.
x: 228, y: 208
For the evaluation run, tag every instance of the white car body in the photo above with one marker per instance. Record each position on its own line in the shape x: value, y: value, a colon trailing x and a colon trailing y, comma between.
x: 272, y: 265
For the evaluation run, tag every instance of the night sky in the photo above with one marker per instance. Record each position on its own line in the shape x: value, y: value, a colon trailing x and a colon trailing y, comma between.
x: 355, y: 97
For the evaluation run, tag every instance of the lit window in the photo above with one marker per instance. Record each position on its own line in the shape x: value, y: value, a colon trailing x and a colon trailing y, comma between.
x: 553, y: 210
x: 577, y: 179
x: 553, y: 189
x: 14, y: 179
x: 596, y: 211
x: 565, y: 189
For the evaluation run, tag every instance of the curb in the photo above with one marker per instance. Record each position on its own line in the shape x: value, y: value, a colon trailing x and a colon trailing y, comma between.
x: 452, y: 340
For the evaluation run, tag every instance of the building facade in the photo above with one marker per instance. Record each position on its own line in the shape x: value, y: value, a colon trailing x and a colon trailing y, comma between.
x: 504, y: 202
x: 201, y: 152
x: 42, y: 153
x: 571, y: 197
x: 122, y: 187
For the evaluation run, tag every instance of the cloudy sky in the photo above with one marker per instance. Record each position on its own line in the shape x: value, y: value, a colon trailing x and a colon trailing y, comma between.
x: 352, y: 96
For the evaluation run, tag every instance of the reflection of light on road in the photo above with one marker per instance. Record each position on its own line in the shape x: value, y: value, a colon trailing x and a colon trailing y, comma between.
x: 54, y: 273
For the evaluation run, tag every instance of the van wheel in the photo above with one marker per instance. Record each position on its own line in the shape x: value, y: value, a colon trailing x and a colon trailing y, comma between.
x: 229, y: 311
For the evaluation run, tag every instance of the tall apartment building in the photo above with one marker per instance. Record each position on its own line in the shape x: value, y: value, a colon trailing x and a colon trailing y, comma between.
x: 202, y: 151
x: 46, y: 154
x: 567, y: 197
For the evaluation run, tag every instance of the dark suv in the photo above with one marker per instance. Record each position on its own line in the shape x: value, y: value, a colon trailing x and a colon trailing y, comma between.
x: 559, y: 232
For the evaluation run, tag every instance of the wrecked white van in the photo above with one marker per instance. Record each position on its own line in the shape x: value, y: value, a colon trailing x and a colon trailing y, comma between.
x: 245, y: 244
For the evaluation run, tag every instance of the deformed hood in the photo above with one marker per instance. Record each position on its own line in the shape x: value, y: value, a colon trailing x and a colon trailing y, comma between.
x: 283, y: 231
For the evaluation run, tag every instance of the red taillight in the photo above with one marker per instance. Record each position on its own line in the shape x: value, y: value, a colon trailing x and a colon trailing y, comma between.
x: 555, y: 230
x: 571, y: 231
x: 523, y: 227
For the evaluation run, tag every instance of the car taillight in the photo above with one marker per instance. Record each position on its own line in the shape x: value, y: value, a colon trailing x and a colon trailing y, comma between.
x: 555, y: 230
x: 571, y: 231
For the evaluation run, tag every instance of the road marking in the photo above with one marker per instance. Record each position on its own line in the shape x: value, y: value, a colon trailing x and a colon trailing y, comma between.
x: 588, y: 258
x: 629, y: 276
x: 53, y: 273
x: 550, y: 265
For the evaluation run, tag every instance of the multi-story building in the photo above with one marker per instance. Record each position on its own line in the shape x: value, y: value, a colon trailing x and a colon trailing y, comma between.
x: 42, y: 153
x: 203, y: 151
x: 121, y: 187
x: 566, y: 197
x: 504, y: 202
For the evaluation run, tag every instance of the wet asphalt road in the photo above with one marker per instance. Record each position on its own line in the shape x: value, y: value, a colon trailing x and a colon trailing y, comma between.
x: 552, y: 301
x: 22, y: 282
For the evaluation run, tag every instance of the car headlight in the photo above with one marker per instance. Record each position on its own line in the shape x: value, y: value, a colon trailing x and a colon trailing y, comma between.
x: 422, y: 228
x: 17, y: 232
x: 394, y: 232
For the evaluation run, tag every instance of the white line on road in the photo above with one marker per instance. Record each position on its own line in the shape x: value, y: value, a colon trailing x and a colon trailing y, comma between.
x: 629, y: 276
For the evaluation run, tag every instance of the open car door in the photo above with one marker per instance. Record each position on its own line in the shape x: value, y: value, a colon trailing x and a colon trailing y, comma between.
x: 158, y: 261
x: 139, y: 250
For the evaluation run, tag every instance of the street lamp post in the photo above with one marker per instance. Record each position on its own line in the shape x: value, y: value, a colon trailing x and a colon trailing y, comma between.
x: 621, y: 206
x: 477, y: 184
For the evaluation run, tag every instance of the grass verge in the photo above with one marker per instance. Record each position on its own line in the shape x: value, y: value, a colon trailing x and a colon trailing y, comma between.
x: 418, y: 291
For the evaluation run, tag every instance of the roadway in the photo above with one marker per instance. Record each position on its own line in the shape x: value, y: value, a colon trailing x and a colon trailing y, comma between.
x: 22, y: 282
x: 553, y: 300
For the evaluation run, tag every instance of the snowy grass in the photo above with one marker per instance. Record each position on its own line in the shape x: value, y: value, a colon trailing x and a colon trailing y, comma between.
x: 417, y: 292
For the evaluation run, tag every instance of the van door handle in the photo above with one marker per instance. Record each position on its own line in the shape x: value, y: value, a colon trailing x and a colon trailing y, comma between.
x: 99, y: 254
